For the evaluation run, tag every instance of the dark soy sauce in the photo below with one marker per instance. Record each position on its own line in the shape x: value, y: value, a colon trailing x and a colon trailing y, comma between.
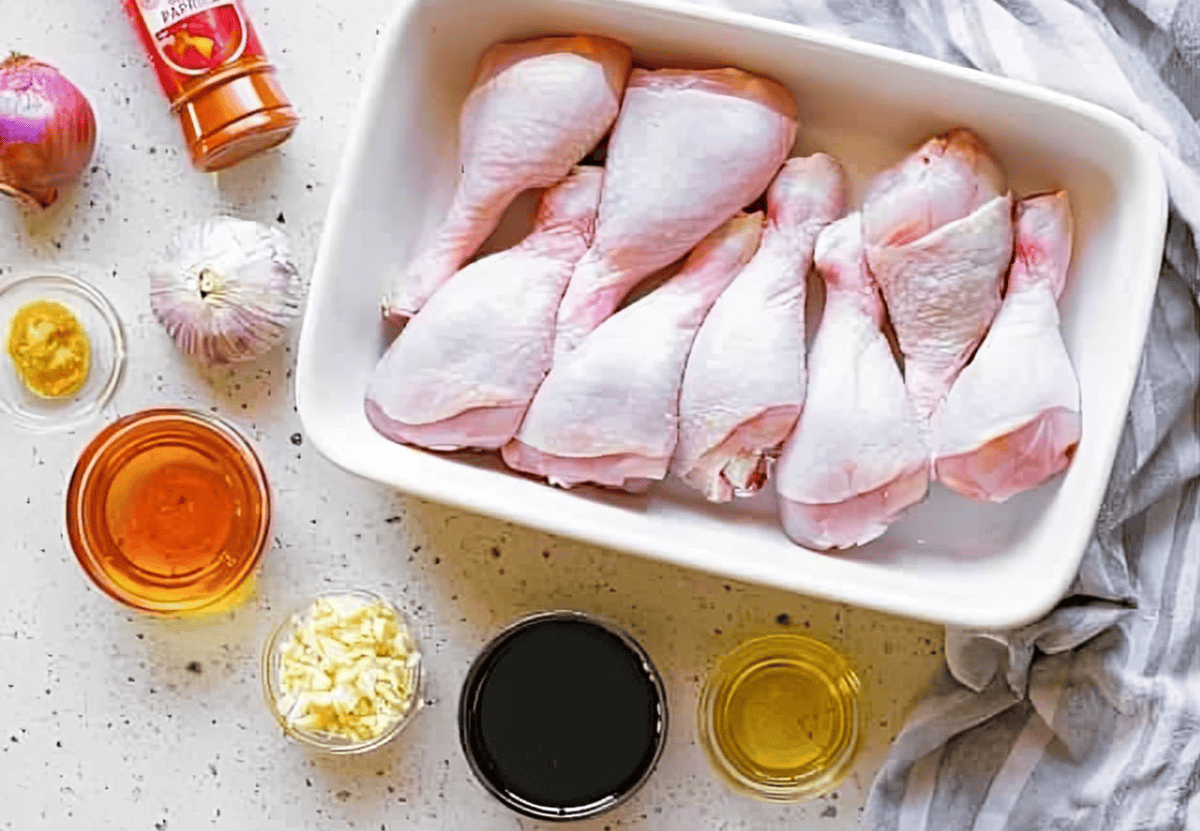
x: 562, y: 716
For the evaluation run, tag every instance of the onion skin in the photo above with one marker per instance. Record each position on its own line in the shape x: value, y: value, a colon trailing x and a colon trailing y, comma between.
x: 47, y: 130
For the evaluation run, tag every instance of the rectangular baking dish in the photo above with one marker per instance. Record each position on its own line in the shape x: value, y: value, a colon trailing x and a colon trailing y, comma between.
x: 949, y: 560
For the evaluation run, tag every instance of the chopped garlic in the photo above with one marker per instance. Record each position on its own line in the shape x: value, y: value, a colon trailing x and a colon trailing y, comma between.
x: 349, y: 669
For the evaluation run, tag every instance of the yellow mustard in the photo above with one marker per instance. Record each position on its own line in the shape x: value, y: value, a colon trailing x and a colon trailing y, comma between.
x: 49, y: 347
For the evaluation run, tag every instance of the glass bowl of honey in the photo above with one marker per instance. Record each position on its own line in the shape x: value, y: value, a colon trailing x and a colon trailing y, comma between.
x: 64, y: 350
x: 342, y: 673
x: 780, y: 718
x: 169, y: 512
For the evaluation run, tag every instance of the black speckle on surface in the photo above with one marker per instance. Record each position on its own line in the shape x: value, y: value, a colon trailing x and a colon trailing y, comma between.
x: 212, y: 768
x: 436, y: 560
x: 392, y: 520
x: 297, y: 439
x: 13, y: 739
x: 160, y: 825
x: 830, y: 812
x: 195, y: 666
x: 308, y: 782
x: 783, y: 619
x: 495, y: 551
x: 280, y: 219
x: 343, y: 795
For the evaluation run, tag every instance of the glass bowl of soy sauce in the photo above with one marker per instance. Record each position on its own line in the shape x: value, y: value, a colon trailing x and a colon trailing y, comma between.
x: 562, y: 716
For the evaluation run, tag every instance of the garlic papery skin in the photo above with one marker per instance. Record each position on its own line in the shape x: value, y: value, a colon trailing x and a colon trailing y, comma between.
x: 226, y: 290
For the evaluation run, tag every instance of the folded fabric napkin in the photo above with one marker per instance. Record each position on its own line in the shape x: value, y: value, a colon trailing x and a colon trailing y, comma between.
x: 1089, y: 718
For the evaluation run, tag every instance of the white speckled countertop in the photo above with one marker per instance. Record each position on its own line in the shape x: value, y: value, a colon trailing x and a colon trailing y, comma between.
x: 114, y: 720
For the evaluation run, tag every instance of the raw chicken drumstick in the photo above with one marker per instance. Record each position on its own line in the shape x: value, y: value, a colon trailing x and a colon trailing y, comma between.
x: 938, y: 229
x: 537, y: 108
x: 858, y: 456
x: 608, y: 412
x: 744, y: 383
x: 463, y: 371
x: 1012, y: 419
x: 689, y: 150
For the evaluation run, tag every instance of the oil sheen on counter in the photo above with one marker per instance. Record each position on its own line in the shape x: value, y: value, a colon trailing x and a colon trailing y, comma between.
x: 562, y: 716
x: 780, y: 717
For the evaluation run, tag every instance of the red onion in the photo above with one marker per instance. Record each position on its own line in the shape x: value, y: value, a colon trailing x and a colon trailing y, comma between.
x: 47, y: 130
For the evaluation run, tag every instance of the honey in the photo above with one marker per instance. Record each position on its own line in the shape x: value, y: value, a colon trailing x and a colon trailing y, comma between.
x: 168, y: 511
x: 780, y: 717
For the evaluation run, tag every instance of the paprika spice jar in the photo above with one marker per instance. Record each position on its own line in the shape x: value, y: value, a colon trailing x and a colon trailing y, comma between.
x: 216, y: 74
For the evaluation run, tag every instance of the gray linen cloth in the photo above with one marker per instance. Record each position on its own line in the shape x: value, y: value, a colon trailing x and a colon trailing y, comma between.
x: 1089, y: 718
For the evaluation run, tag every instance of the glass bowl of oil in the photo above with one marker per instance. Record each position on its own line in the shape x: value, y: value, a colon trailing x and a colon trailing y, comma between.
x: 95, y: 331
x: 169, y: 512
x: 780, y: 718
x: 342, y: 672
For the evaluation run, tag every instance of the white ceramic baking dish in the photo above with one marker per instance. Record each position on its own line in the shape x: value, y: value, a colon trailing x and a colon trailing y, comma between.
x: 949, y: 560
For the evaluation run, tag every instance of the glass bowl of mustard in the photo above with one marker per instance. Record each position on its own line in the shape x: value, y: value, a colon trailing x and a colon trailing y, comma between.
x: 342, y: 672
x: 168, y: 511
x: 64, y: 350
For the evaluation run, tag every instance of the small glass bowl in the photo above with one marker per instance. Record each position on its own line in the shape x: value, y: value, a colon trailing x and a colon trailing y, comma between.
x: 154, y: 574
x: 472, y: 726
x: 107, y: 348
x: 273, y: 688
x: 756, y: 743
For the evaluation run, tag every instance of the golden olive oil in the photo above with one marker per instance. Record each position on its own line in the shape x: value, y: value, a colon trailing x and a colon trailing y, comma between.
x: 781, y: 717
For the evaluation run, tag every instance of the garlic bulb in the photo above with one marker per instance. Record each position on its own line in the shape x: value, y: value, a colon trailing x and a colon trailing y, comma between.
x: 226, y: 290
